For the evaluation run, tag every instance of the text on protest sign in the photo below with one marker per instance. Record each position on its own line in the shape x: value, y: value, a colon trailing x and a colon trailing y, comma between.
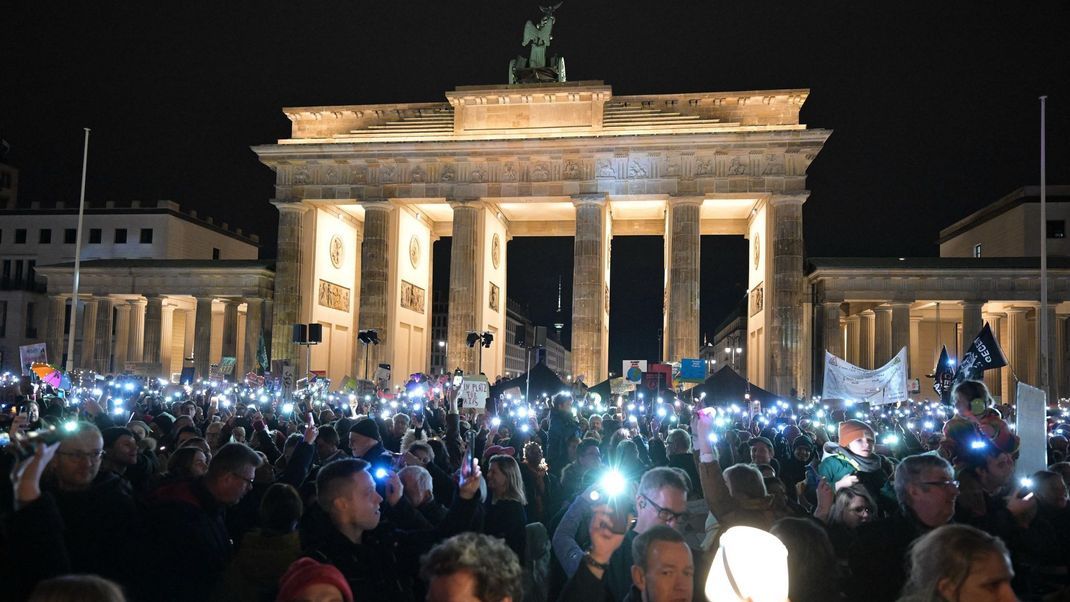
x: 473, y: 393
x: 887, y: 384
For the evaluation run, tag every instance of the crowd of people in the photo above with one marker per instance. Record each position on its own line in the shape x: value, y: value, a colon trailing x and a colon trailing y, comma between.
x: 231, y: 493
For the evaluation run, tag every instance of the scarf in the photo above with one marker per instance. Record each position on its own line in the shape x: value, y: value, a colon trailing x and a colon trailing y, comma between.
x: 860, y: 464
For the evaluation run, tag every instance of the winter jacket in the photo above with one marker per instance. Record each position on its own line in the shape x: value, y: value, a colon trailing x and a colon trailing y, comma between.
x: 836, y: 464
x: 91, y: 531
x: 385, y: 564
x: 563, y: 426
x: 187, y: 530
x: 254, y: 573
x: 879, y: 558
x: 506, y: 520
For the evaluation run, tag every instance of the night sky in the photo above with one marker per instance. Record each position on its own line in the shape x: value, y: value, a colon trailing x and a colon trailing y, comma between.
x: 933, y: 107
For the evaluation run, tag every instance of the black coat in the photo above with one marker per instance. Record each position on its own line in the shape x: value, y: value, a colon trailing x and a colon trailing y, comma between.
x: 879, y: 558
x: 188, y: 534
x: 385, y: 564
x: 506, y: 520
x: 91, y: 531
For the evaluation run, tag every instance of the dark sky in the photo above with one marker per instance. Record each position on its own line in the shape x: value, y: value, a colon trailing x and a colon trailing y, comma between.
x: 933, y: 106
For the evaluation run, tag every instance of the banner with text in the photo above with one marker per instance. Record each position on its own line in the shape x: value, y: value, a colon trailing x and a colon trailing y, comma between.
x: 887, y: 384
x: 474, y: 392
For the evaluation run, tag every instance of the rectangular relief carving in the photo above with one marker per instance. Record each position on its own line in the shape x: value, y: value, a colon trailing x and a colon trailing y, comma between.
x: 412, y: 297
x: 334, y: 296
x: 757, y: 299
x: 494, y: 292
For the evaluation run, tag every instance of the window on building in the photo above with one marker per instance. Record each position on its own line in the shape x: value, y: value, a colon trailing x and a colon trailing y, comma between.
x: 67, y: 319
x: 120, y: 236
x: 215, y: 253
x: 1056, y: 228
x: 70, y: 236
x: 44, y: 237
x: 94, y: 236
x: 20, y: 236
x: 146, y: 236
x: 31, y: 332
x: 6, y: 274
x: 31, y: 273
x: 977, y: 250
x: 3, y: 319
x: 18, y: 272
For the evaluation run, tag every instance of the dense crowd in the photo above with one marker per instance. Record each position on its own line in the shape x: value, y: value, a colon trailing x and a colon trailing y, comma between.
x: 230, y: 493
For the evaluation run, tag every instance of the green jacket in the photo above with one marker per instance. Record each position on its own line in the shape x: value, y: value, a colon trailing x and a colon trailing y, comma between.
x: 878, y: 483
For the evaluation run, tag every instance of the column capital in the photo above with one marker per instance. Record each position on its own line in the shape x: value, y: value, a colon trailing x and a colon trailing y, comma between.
x: 678, y: 200
x: 376, y: 205
x: 469, y: 203
x: 789, y: 199
x: 290, y: 206
x: 590, y: 198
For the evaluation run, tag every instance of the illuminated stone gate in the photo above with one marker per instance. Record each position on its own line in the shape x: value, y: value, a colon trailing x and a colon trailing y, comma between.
x: 363, y: 191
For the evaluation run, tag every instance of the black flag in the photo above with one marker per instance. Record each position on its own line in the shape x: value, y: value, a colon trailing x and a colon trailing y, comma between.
x: 984, y: 354
x: 943, y: 376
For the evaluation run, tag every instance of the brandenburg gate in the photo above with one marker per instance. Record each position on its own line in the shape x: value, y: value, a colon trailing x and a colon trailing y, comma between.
x: 364, y: 190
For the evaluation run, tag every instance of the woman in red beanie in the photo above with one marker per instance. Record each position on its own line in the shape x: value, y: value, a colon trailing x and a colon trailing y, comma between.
x: 309, y: 581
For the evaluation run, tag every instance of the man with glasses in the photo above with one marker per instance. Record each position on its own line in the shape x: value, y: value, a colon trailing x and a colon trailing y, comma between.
x: 186, y: 524
x: 79, y: 521
x: 926, y: 489
x: 660, y: 500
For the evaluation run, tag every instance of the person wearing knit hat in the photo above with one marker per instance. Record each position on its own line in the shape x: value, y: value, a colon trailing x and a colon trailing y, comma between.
x: 853, y: 460
x: 307, y: 579
x: 366, y: 443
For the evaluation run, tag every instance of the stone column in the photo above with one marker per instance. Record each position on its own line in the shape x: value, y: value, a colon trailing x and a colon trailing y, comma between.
x: 102, y: 353
x: 830, y: 312
x: 901, y: 330
x: 683, y: 259
x: 375, y: 280
x: 994, y: 378
x: 202, y: 338
x: 135, y: 336
x: 153, y: 329
x: 854, y: 323
x: 167, y: 338
x: 787, y: 256
x: 1052, y: 383
x: 230, y: 328
x: 464, y: 287
x: 254, y: 326
x: 882, y: 348
x: 287, y: 282
x: 1058, y: 353
x: 915, y: 346
x: 57, y: 307
x: 588, y: 287
x: 89, y: 333
x: 1016, y: 351
x: 122, y: 334
x: 971, y: 321
x: 865, y: 339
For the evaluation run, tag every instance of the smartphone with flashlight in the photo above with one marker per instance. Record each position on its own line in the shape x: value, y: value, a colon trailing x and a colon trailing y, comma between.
x: 1025, y: 489
x: 468, y: 467
x: 610, y: 491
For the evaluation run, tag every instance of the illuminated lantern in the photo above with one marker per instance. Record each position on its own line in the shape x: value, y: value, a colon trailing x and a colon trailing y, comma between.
x: 752, y: 565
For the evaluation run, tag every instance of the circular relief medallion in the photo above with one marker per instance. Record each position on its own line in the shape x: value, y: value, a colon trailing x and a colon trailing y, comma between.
x: 757, y: 249
x: 495, y: 251
x: 414, y: 251
x: 337, y: 251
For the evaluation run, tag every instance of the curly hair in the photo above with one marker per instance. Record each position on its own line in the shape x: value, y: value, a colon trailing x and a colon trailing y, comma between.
x: 492, y: 564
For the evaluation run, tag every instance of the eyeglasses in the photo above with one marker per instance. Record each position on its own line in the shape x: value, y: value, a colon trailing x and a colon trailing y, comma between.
x: 92, y: 456
x: 665, y: 515
x: 249, y: 481
x: 950, y: 484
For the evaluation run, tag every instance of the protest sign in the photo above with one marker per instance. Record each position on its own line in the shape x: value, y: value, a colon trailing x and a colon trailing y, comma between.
x: 473, y: 392
x: 887, y: 384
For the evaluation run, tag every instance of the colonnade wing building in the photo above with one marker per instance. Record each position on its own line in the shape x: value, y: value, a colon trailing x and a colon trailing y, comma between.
x: 363, y: 192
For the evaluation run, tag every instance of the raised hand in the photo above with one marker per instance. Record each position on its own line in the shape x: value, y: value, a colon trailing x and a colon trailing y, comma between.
x: 469, y: 484
x: 27, y: 475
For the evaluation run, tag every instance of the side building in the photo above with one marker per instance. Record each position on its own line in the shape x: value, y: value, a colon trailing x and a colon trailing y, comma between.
x: 520, y: 335
x: 149, y: 273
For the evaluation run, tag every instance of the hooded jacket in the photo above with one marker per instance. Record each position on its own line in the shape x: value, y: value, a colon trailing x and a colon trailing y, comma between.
x: 873, y: 473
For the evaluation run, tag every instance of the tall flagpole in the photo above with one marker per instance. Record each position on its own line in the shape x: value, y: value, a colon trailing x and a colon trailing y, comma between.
x: 77, y: 259
x: 1043, y: 321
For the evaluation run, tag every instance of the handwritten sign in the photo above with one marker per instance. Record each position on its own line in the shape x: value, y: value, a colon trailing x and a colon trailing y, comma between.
x: 474, y: 392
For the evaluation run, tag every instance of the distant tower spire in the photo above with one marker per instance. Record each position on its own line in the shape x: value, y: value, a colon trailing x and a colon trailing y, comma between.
x: 559, y: 324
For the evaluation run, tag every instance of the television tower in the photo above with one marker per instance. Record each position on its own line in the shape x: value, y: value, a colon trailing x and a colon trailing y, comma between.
x: 559, y: 324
